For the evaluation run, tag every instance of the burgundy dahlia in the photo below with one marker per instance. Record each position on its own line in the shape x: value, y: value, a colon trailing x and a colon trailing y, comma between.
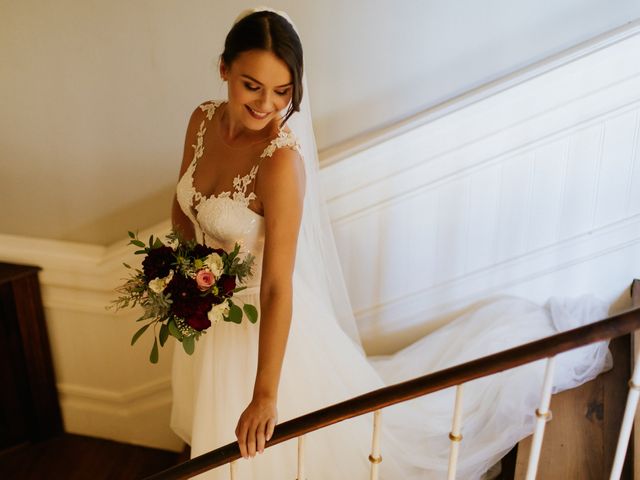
x: 188, y: 303
x: 201, y: 251
x: 199, y: 319
x: 158, y: 262
x: 226, y: 283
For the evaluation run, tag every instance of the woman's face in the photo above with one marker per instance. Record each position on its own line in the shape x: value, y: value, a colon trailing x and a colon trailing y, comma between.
x: 260, y: 86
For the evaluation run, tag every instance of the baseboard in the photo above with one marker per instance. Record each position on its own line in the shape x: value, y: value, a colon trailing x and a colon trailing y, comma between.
x: 130, y: 416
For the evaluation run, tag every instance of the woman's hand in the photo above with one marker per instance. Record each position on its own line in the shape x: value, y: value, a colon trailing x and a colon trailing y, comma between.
x: 256, y: 425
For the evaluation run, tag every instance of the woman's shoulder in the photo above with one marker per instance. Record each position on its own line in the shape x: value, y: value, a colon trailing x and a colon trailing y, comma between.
x: 195, y: 129
x: 201, y: 114
x: 282, y: 158
x: 283, y: 138
x: 206, y: 110
x: 209, y: 107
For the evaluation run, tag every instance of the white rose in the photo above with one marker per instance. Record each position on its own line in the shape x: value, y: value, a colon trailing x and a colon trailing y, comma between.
x: 159, y: 284
x: 218, y: 312
x: 214, y: 263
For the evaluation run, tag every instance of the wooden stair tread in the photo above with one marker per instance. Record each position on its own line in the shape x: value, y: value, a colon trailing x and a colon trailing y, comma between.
x: 77, y: 457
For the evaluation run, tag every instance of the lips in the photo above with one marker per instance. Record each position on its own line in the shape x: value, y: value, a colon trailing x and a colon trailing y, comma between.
x: 255, y: 114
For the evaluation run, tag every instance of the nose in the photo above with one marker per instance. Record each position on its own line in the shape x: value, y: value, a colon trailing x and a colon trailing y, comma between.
x: 265, y: 100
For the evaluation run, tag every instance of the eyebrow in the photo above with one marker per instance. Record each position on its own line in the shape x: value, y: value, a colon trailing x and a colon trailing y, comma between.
x: 260, y: 83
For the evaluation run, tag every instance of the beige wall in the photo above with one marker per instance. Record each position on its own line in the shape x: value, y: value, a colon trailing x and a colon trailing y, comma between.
x: 95, y: 95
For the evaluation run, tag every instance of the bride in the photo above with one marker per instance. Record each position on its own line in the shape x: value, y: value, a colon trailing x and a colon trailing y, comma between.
x: 250, y: 175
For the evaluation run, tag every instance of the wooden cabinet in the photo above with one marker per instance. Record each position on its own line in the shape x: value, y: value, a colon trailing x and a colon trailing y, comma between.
x: 29, y: 408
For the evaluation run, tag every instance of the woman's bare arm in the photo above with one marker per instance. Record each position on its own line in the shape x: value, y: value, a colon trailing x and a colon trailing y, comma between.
x: 281, y: 189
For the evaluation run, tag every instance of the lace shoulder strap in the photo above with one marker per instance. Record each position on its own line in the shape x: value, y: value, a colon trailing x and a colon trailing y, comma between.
x: 284, y: 139
x: 209, y: 108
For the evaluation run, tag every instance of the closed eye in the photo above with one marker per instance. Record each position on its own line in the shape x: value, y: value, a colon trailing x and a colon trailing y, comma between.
x: 253, y: 88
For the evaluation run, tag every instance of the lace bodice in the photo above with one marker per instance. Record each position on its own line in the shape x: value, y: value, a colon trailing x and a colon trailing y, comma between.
x: 222, y: 220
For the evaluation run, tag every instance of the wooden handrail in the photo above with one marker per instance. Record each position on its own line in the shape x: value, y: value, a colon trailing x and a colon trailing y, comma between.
x: 611, y: 327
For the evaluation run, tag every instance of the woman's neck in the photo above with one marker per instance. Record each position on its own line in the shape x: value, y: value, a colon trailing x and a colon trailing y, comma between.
x: 234, y: 133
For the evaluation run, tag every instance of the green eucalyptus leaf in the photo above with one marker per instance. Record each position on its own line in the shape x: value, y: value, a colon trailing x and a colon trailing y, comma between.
x: 139, y: 332
x: 188, y: 344
x: 173, y: 329
x: 140, y: 252
x: 251, y: 311
x: 154, y: 352
x: 138, y: 243
x: 131, y: 234
x: 126, y: 265
x: 164, y: 334
x: 235, y: 314
x: 158, y: 243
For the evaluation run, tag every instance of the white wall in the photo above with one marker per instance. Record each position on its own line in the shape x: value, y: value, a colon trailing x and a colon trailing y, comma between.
x: 530, y: 188
x: 95, y: 94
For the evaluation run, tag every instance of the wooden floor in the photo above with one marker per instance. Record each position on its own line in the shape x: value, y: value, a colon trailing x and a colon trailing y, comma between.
x: 75, y: 457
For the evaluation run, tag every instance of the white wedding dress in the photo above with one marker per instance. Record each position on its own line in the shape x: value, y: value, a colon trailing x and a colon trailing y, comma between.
x: 322, y: 366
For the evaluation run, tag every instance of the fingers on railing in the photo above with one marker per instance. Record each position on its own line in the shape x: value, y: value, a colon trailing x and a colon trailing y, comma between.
x: 375, y: 458
x: 627, y: 422
x: 455, y: 435
x: 543, y: 415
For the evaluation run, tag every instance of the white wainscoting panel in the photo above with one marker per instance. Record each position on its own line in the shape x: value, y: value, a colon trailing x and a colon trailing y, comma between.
x: 466, y: 204
x: 106, y: 387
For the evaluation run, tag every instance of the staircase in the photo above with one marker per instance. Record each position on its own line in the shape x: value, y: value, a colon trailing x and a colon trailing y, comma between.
x: 580, y: 446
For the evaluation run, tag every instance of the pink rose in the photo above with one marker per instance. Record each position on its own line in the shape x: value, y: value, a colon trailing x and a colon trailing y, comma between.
x: 205, y: 279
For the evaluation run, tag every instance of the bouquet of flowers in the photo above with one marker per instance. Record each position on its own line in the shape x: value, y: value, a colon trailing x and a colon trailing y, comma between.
x: 183, y: 287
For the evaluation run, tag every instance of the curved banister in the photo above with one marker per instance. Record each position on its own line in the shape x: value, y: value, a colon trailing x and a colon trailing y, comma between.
x: 611, y: 327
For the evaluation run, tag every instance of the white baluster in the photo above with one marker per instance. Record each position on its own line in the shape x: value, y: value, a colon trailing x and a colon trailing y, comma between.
x: 627, y: 422
x: 544, y: 415
x: 301, y: 458
x: 375, y: 458
x: 233, y: 467
x: 455, y: 436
